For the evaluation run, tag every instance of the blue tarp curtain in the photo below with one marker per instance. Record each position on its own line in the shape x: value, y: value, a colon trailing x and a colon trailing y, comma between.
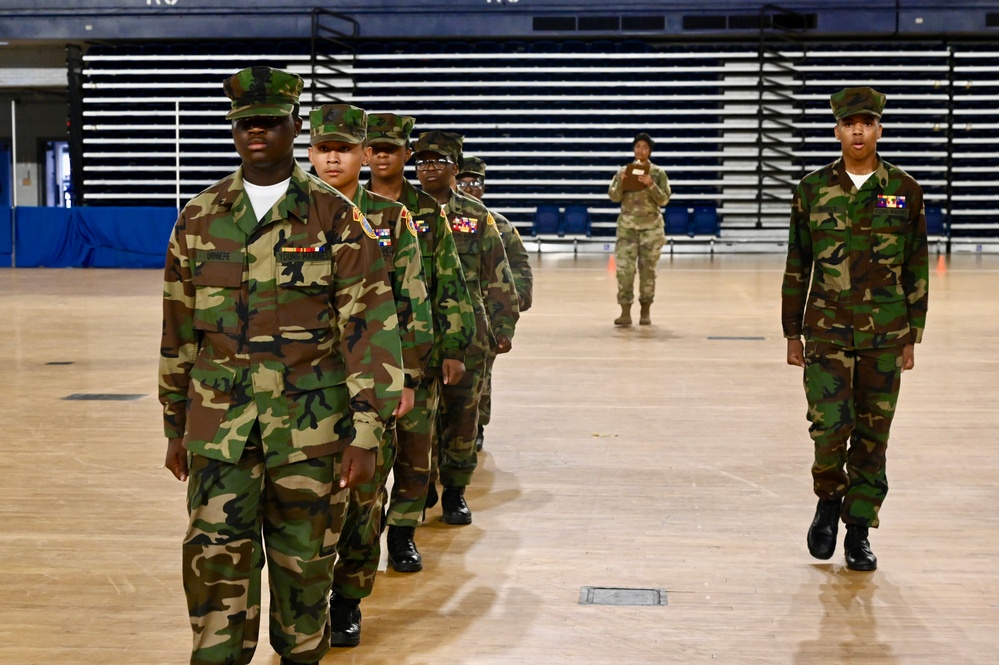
x: 87, y: 237
x: 6, y: 238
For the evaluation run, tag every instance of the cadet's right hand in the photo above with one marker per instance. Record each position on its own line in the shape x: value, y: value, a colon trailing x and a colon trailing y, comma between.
x: 795, y: 352
x: 358, y: 466
x: 176, y: 458
x: 452, y: 370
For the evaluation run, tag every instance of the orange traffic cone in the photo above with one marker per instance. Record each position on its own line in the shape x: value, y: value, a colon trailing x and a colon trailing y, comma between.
x: 941, y: 264
x: 611, y: 265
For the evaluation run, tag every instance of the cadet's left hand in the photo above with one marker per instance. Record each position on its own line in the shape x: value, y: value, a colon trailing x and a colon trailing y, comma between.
x: 645, y: 179
x: 503, y: 344
x: 452, y: 370
x: 908, y: 356
x: 176, y: 458
x: 358, y: 466
x: 405, y: 402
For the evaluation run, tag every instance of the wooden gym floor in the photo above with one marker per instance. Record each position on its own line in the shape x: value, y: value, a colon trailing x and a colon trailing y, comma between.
x: 671, y: 457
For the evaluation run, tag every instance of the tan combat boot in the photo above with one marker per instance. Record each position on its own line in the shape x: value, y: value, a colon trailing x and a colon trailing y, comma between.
x: 625, y: 318
x: 644, y: 318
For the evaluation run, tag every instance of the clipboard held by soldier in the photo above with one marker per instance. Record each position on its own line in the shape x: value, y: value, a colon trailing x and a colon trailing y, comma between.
x: 630, y: 181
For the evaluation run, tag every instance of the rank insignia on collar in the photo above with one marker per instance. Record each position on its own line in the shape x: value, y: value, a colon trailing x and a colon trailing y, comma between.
x: 885, y: 201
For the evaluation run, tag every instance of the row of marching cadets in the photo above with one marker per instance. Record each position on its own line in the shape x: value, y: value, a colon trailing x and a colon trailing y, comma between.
x: 319, y: 336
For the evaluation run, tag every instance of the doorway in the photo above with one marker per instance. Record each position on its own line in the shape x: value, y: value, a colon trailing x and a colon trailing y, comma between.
x: 58, y: 183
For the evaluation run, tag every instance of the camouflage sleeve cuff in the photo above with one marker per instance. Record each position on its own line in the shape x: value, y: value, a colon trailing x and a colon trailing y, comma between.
x: 505, y: 331
x: 454, y: 354
x: 915, y: 335
x: 367, y: 432
x: 412, y: 379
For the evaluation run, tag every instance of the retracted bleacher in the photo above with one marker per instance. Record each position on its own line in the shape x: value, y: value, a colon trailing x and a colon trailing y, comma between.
x: 555, y: 120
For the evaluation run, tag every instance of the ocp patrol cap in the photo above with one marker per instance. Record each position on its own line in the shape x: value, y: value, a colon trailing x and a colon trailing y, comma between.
x: 338, y: 122
x: 472, y: 165
x: 389, y: 128
x: 443, y: 143
x: 857, y: 101
x: 262, y: 91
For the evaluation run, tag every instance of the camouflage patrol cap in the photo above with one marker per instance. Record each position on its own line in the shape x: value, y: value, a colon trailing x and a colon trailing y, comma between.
x: 338, y: 122
x: 443, y: 143
x: 471, y: 165
x: 389, y: 128
x: 857, y: 101
x: 262, y: 91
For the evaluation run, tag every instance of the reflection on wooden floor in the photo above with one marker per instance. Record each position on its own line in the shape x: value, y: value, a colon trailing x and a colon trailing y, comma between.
x: 673, y: 456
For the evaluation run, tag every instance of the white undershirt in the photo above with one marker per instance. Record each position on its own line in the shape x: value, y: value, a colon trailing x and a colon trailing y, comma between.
x: 263, y: 198
x: 859, y: 180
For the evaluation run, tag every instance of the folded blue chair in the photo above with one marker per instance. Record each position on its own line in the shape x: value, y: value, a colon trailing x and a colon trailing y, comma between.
x: 547, y: 220
x: 935, y: 222
x: 705, y: 222
x: 576, y: 221
x: 677, y: 219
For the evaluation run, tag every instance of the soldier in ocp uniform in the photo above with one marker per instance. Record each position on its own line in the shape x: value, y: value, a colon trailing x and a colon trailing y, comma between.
x: 640, y: 230
x: 454, y: 327
x: 494, y: 298
x: 337, y: 151
x: 471, y: 181
x: 280, y: 366
x: 855, y: 286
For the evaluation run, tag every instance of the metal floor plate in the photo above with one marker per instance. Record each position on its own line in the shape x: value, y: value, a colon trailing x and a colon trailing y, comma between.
x: 103, y: 397
x: 598, y: 595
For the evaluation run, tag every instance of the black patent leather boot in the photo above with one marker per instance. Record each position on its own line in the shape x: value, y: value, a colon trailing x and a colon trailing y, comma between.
x: 822, y: 534
x: 454, y: 507
x: 858, y: 549
x: 345, y: 622
x: 402, y: 553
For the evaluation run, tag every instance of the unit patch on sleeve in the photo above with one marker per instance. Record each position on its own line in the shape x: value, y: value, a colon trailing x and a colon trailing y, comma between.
x: 409, y: 221
x: 362, y: 220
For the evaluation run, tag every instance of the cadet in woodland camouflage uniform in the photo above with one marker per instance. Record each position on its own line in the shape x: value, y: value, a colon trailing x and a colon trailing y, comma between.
x: 855, y: 286
x: 471, y: 181
x: 454, y: 327
x: 640, y: 233
x: 337, y: 134
x: 280, y: 366
x: 490, y: 285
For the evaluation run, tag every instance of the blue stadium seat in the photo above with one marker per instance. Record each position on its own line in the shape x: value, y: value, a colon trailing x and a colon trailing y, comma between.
x: 547, y: 220
x: 371, y: 48
x: 457, y: 47
x: 705, y: 222
x: 487, y: 46
x: 677, y: 219
x: 576, y: 220
x: 546, y: 46
x: 935, y: 222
